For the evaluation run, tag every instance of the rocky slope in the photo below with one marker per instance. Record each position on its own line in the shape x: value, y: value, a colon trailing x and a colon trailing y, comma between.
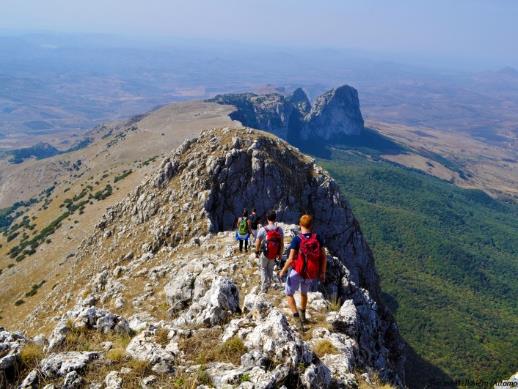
x: 158, y: 296
x: 335, y: 113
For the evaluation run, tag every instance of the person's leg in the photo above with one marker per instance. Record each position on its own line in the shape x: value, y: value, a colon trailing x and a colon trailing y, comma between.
x: 304, y: 287
x: 264, y: 273
x: 303, y: 301
x: 246, y: 245
x: 292, y: 304
x: 269, y: 273
x: 292, y: 285
x: 240, y: 245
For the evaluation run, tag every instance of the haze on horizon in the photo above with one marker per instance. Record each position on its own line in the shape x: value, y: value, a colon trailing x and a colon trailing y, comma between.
x: 467, y: 33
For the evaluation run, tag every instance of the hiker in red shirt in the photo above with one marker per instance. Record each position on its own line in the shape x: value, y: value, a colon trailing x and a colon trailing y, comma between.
x: 308, y: 263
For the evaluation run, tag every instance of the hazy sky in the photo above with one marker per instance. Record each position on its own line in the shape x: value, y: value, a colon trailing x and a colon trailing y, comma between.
x: 474, y: 29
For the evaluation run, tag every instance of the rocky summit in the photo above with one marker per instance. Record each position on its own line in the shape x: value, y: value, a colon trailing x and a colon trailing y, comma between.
x: 160, y: 297
x: 334, y: 114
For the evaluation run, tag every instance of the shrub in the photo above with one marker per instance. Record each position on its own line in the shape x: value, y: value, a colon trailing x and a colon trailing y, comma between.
x: 140, y: 368
x: 31, y: 355
x: 334, y: 304
x: 19, y: 302
x: 230, y: 351
x: 202, y: 377
x: 116, y: 354
x: 122, y: 176
x: 77, y: 338
x: 376, y: 382
x: 323, y: 347
x: 161, y: 337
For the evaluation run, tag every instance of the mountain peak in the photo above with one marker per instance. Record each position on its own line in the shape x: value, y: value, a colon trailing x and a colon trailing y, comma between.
x: 300, y: 100
x: 334, y: 114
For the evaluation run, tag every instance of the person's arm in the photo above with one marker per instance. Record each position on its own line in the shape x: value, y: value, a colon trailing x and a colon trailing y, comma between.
x: 281, y: 249
x: 258, y: 243
x: 323, y: 265
x: 288, y: 263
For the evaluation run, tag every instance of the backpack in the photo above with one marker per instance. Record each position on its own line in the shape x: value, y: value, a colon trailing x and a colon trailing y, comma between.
x: 243, y: 226
x: 254, y: 221
x: 272, y: 246
x: 307, y: 264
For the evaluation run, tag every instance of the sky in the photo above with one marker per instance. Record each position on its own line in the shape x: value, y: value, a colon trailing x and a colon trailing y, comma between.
x: 469, y: 30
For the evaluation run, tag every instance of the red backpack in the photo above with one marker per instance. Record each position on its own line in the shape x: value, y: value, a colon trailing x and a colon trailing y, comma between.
x: 308, y: 260
x: 272, y: 245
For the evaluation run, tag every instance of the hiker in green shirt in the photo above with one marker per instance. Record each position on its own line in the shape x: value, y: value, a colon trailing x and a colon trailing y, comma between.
x: 243, y: 231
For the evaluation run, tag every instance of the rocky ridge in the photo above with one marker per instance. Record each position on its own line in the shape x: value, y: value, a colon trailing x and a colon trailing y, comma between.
x: 334, y: 114
x: 160, y: 280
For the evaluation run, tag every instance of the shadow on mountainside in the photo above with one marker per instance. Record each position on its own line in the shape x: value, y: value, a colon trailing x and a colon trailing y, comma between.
x: 421, y: 374
x: 390, y: 302
x: 369, y: 141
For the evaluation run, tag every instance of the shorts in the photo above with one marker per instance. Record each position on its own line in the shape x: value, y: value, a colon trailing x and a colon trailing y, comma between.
x: 242, y: 237
x: 294, y: 281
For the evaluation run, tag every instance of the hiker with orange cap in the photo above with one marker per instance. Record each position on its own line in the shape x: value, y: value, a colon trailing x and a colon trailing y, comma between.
x: 308, y: 263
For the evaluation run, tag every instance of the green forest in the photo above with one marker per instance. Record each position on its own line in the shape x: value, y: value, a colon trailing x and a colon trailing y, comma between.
x: 448, y: 263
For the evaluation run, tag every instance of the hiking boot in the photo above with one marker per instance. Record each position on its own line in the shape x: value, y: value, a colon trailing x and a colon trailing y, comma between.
x: 298, y: 317
x: 303, y: 319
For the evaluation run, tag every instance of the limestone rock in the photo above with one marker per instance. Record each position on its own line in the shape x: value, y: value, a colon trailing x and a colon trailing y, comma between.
x: 60, y: 364
x: 215, y: 306
x: 72, y: 380
x: 11, y: 344
x: 113, y: 380
x: 143, y: 347
x: 316, y: 376
x: 346, y: 319
x: 30, y: 381
x: 87, y: 317
x: 275, y: 338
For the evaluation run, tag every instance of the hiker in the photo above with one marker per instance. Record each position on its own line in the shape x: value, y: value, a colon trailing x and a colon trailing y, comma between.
x: 243, y: 231
x: 269, y: 247
x: 254, y: 223
x: 308, y: 263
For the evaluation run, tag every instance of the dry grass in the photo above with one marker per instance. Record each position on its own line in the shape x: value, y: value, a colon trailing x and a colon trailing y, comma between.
x: 230, y: 351
x: 376, y: 382
x: 139, y: 369
x: 116, y: 355
x: 323, y: 347
x: 200, y: 344
x: 85, y: 339
x: 182, y: 380
x: 334, y: 304
x: 80, y: 339
x: 31, y: 355
x: 162, y: 337
x: 204, y: 347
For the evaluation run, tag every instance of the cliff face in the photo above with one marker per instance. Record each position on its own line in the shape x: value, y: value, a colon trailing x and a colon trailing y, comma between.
x: 162, y: 270
x: 335, y: 113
